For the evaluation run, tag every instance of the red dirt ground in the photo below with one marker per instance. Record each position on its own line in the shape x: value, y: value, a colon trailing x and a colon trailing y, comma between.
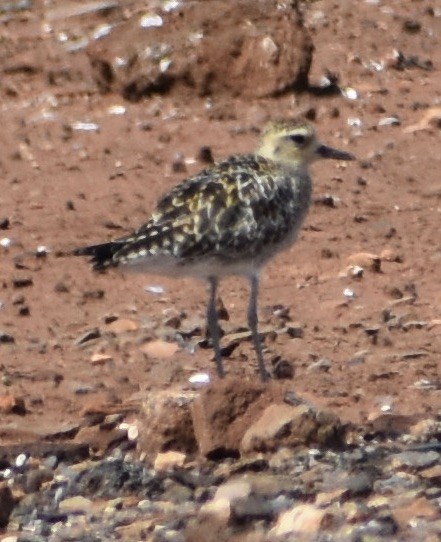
x: 63, y: 188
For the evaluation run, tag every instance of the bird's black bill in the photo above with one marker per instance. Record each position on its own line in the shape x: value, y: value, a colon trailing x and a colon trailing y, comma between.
x: 328, y: 152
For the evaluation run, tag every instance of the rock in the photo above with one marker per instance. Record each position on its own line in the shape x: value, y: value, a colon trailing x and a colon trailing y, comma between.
x: 122, y: 325
x: 165, y: 423
x: 10, y: 404
x: 100, y: 359
x: 160, y: 349
x: 365, y: 260
x: 286, y: 425
x: 87, y: 336
x: 219, y: 508
x: 7, y: 503
x: 100, y: 440
x: 432, y: 474
x: 416, y: 460
x: 302, y: 519
x: 168, y: 460
x: 252, y: 508
x: 22, y: 282
x: 6, y: 338
x: 418, y: 508
x: 390, y: 424
x: 221, y: 54
x: 359, y: 485
x: 75, y: 504
x: 219, y: 415
x: 326, y: 498
x: 232, y: 490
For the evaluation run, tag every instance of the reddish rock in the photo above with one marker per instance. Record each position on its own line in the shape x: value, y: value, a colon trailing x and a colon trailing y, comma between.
x: 165, y: 423
x: 222, y: 412
x: 302, y: 519
x: 207, y: 48
x: 285, y: 425
x: 10, y: 404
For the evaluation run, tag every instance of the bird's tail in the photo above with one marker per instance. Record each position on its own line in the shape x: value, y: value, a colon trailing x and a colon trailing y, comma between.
x: 101, y: 255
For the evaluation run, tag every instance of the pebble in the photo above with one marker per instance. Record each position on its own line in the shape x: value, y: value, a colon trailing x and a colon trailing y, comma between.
x: 301, y: 519
x: 168, y: 460
x: 75, y: 504
x: 416, y: 460
x: 87, y: 336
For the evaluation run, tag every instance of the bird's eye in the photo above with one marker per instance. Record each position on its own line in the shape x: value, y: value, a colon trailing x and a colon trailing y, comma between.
x: 298, y: 139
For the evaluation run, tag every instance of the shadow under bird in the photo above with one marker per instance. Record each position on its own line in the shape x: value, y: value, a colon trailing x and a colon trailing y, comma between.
x: 229, y: 219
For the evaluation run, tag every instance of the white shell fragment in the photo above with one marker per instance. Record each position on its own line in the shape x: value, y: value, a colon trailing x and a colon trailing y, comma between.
x: 20, y: 460
x: 349, y: 293
x: 154, y: 289
x: 151, y: 20
x: 6, y: 242
x: 349, y: 93
x: 101, y: 31
x: 41, y: 250
x: 170, y: 5
x: 198, y: 380
x: 354, y: 121
x: 389, y: 121
x: 85, y: 126
x: 116, y: 110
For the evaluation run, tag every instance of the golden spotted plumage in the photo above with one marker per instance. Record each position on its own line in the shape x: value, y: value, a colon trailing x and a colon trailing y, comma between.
x: 230, y: 218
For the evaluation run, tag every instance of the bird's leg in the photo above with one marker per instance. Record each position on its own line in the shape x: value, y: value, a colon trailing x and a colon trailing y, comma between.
x: 213, y: 326
x: 252, y: 323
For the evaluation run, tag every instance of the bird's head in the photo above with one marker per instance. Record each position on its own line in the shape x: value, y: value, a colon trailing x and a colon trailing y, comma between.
x: 295, y: 143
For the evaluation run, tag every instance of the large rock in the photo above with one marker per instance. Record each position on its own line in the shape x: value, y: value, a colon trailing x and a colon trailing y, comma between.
x: 165, y: 423
x: 252, y: 48
x: 286, y: 425
x: 234, y: 417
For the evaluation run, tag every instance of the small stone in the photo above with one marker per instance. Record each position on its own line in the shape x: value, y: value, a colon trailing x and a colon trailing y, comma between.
x: 282, y: 369
x: 301, y: 519
x: 61, y: 288
x: 411, y: 26
x: 233, y: 489
x: 219, y: 508
x: 417, y: 460
x: 365, y: 260
x: 10, y: 404
x: 322, y: 365
x: 22, y: 282
x: 4, y: 223
x: 251, y: 508
x: 168, y: 460
x: 6, y: 338
x: 327, y: 498
x: 160, y: 349
x: 417, y: 508
x: 433, y: 474
x: 359, y: 485
x: 100, y: 359
x: 205, y: 155
x: 122, y: 325
x: 89, y: 335
x: 178, y: 163
x: 77, y: 504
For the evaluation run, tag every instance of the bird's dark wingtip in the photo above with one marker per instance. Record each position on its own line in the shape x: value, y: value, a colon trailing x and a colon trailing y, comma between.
x: 101, y: 255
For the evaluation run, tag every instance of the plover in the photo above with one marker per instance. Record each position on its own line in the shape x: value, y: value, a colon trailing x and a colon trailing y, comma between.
x: 229, y: 219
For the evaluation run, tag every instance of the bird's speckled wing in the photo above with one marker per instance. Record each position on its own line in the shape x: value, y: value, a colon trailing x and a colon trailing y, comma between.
x: 231, y: 210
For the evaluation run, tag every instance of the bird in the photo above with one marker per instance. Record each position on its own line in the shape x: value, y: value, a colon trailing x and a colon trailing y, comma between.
x: 229, y: 219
